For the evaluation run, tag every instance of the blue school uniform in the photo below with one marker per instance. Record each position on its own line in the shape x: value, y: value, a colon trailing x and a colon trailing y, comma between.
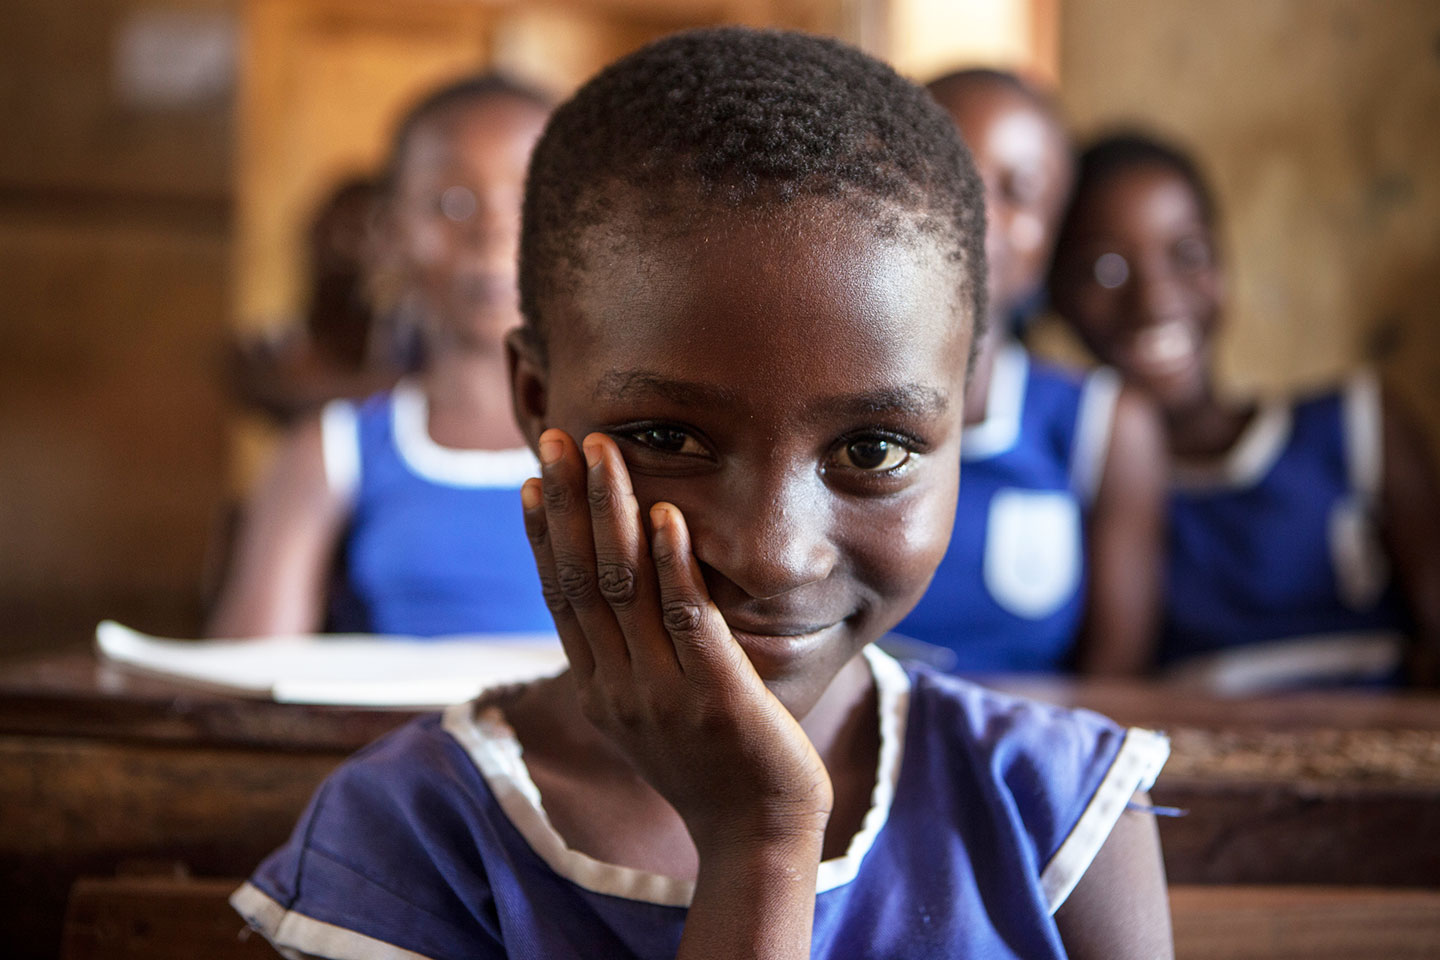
x: 433, y: 843
x: 1277, y: 576
x: 436, y: 541
x: 1010, y: 592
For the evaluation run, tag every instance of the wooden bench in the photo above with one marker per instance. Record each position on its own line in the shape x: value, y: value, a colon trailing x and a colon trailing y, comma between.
x: 1305, y: 923
x: 149, y: 918
x: 167, y: 919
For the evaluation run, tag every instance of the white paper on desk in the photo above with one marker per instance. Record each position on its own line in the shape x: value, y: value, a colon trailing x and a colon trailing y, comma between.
x: 356, y: 669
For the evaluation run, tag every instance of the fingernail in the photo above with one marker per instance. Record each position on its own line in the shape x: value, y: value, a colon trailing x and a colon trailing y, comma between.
x: 591, y: 450
x: 658, y: 514
x: 550, y: 450
x: 530, y: 494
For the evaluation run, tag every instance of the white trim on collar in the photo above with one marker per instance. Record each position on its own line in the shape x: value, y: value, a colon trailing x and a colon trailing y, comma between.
x: 451, y: 466
x: 1004, y: 403
x: 340, y: 446
x: 1093, y: 426
x: 1248, y: 460
x: 492, y: 745
x: 1363, y: 434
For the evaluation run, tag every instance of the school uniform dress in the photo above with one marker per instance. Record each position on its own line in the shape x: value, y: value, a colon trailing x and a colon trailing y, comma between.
x: 1276, y: 573
x: 433, y: 843
x: 436, y: 542
x: 1010, y: 592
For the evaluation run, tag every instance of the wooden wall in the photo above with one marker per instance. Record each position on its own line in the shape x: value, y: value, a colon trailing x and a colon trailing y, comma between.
x: 114, y: 247
x: 1319, y: 121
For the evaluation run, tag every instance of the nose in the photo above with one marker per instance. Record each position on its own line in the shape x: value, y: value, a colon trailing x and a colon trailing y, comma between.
x: 1154, y: 291
x: 768, y: 535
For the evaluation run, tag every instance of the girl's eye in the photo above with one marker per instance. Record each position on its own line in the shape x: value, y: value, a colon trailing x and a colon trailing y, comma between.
x: 457, y: 204
x: 669, y: 440
x: 1192, y: 254
x: 1111, y: 270
x: 872, y: 454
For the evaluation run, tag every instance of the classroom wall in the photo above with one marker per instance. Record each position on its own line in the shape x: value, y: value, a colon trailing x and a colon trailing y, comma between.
x: 1319, y: 121
x: 114, y: 258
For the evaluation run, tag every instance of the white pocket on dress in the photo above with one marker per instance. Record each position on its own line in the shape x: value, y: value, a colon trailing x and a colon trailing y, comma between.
x: 1033, y: 551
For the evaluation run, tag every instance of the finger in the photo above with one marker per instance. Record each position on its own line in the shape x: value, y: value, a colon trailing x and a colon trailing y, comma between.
x: 698, y: 632
x: 572, y: 638
x: 626, y: 577
x: 572, y: 544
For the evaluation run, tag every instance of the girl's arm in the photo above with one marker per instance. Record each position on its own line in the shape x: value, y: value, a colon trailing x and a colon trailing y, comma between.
x: 660, y: 674
x: 1125, y: 545
x: 1410, y: 507
x: 1119, y: 910
x: 277, y: 575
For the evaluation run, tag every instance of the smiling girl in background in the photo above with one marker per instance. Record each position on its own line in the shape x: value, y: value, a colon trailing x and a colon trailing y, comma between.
x: 1054, y: 562
x: 1305, y: 533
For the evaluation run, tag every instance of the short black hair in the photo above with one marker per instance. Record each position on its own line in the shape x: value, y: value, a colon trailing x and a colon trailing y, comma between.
x: 733, y: 117
x: 960, y: 81
x: 462, y: 92
x: 1121, y: 151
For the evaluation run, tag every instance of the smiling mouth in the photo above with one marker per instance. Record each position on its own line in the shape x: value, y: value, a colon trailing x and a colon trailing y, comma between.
x: 1163, y: 349
x: 774, y: 652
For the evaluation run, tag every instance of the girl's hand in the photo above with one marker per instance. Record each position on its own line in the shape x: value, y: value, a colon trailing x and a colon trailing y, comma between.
x: 658, y: 670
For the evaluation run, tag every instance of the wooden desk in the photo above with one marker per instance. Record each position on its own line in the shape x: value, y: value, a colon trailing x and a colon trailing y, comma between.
x: 1338, y: 788
x: 101, y: 769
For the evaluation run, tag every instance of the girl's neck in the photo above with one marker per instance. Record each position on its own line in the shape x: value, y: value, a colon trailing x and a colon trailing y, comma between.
x: 602, y: 807
x: 468, y: 392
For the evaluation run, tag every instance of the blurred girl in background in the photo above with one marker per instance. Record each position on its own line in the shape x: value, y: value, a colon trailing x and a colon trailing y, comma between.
x: 1305, y: 533
x: 398, y: 515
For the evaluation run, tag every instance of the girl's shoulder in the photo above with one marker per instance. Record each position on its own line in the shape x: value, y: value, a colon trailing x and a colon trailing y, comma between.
x: 1063, y: 775
x: 360, y: 876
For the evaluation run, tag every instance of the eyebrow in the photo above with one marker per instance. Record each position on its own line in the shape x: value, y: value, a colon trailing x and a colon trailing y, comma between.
x: 911, y: 400
x: 627, y: 384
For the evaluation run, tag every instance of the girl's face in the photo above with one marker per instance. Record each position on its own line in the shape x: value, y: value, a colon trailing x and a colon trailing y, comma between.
x: 457, y: 215
x: 1139, y: 280
x: 795, y: 388
x: 1024, y: 159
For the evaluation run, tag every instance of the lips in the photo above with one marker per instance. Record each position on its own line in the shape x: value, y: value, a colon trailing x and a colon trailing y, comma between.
x: 1163, y: 349
x: 773, y: 648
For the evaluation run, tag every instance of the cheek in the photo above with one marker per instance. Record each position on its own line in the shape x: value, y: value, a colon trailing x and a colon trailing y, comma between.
x: 904, y: 543
x: 425, y: 244
x: 1027, y: 235
x: 1205, y: 292
x: 1096, y: 312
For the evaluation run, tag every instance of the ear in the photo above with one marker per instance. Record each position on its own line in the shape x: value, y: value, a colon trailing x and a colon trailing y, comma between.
x: 529, y: 384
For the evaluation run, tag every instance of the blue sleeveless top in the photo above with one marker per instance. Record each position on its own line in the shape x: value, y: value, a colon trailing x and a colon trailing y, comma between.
x: 432, y: 844
x: 1010, y: 592
x: 1277, y: 576
x: 436, y: 543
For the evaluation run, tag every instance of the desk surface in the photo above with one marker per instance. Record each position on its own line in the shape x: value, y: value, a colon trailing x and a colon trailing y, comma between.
x: 78, y: 694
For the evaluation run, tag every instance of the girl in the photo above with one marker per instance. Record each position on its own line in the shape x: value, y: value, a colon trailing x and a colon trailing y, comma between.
x: 413, y: 490
x: 751, y: 268
x: 1286, y: 518
x: 1053, y: 563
